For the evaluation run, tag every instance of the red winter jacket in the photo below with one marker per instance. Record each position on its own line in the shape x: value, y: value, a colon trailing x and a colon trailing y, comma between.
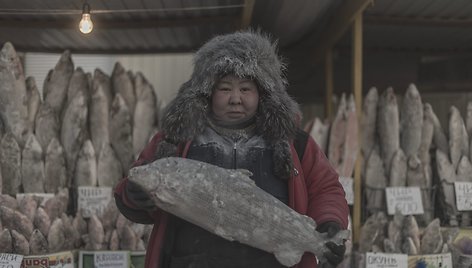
x: 315, y: 191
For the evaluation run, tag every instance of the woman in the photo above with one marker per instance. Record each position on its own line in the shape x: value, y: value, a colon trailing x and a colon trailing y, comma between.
x: 234, y: 112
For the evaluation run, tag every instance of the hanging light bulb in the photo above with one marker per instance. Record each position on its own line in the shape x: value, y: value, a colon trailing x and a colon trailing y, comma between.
x: 86, y: 25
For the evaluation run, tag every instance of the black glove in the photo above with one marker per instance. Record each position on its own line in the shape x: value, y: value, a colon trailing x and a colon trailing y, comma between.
x: 336, y: 254
x: 138, y: 197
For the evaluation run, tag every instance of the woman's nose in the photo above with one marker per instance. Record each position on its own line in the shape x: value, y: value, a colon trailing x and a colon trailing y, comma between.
x: 235, y: 97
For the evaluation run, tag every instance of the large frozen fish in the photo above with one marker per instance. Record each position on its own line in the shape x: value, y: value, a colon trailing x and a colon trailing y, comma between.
x: 10, y: 164
x: 13, y: 104
x: 57, y: 82
x: 411, y: 121
x: 458, y: 141
x: 15, y: 220
x: 319, y: 131
x: 38, y: 243
x: 47, y: 125
x: 98, y: 118
x: 432, y: 240
x: 399, y: 169
x: 416, y: 177
x: 6, y: 241
x: 372, y: 232
x: 78, y: 82
x: 144, y: 113
x: 32, y: 166
x: 28, y: 205
x: 56, y: 236
x: 375, y: 181
x: 20, y: 243
x: 351, y: 140
x: 368, y: 121
x: 96, y: 234
x: 58, y: 204
x: 468, y: 119
x: 427, y: 134
x: 439, y: 136
x: 123, y: 84
x: 103, y: 80
x: 55, y: 167
x: 74, y: 129
x: 121, y: 131
x: 228, y: 203
x: 109, y: 169
x: 447, y: 176
x: 388, y: 126
x: 86, y: 167
x: 337, y: 135
x: 34, y: 101
x: 41, y: 221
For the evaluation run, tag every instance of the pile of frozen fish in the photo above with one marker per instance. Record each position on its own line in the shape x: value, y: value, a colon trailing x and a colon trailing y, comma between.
x: 403, y: 236
x: 340, y: 139
x: 33, y: 225
x: 86, y: 131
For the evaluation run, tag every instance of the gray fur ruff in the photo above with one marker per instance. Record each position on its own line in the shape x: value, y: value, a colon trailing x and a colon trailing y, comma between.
x: 246, y: 54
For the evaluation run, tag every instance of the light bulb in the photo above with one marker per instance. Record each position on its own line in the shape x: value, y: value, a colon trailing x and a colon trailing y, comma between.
x: 86, y: 25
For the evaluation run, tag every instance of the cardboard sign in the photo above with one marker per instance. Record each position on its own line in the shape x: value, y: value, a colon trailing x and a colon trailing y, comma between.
x: 8, y: 260
x: 42, y: 197
x: 347, y: 183
x: 385, y: 260
x: 463, y: 195
x: 405, y: 199
x: 430, y: 261
x: 57, y: 260
x: 93, y: 200
x: 104, y: 259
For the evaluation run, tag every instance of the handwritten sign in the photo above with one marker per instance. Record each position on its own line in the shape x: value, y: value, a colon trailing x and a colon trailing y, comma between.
x: 347, y: 183
x: 463, y: 195
x: 385, y: 260
x: 41, y: 197
x: 10, y: 260
x: 443, y: 260
x: 93, y: 200
x: 405, y: 199
x: 104, y: 259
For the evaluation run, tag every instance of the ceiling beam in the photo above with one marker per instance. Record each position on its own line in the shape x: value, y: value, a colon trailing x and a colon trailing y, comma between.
x: 341, y: 21
x: 417, y: 21
x: 246, y: 15
x: 118, y: 23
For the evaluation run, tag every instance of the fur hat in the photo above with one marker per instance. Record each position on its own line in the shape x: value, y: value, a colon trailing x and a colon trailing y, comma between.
x: 246, y: 54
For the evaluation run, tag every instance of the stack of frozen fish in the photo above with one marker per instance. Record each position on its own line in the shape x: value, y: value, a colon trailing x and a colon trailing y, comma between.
x: 85, y: 131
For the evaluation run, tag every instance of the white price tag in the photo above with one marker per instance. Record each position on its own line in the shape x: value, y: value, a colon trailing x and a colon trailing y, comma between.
x: 463, y: 195
x: 10, y: 260
x: 117, y: 259
x: 93, y: 200
x: 385, y: 260
x: 405, y: 199
x: 347, y: 184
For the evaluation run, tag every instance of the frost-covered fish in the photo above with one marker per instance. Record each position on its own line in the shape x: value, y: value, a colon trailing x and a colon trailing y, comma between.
x: 121, y: 131
x: 351, y: 140
x: 388, y: 126
x: 144, y: 113
x: 13, y: 104
x: 10, y: 164
x: 447, y: 177
x: 78, y: 82
x: 243, y: 211
x: 368, y: 121
x: 28, y: 205
x: 57, y: 205
x: 432, y: 240
x: 15, y: 220
x: 55, y: 172
x: 96, y: 234
x: 47, y: 125
x: 439, y: 136
x: 411, y: 121
x: 86, y: 167
x: 458, y: 142
x: 6, y: 241
x: 56, y: 236
x: 57, y: 82
x: 38, y: 243
x: 398, y: 169
x: 74, y: 129
x: 32, y: 166
x: 375, y: 181
x: 123, y: 84
x: 98, y: 118
x: 128, y: 239
x: 20, y: 243
x: 319, y: 131
x: 109, y: 169
x: 337, y: 135
x: 34, y: 101
x: 41, y: 221
x: 100, y: 79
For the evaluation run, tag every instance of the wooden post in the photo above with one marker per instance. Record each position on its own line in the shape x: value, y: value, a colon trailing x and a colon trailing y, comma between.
x: 329, y: 84
x: 357, y: 89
